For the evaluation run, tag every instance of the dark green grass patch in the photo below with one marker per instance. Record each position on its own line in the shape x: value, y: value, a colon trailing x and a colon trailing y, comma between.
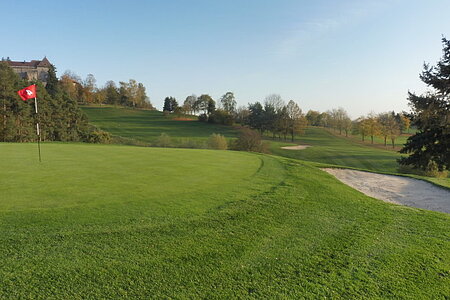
x: 117, y: 221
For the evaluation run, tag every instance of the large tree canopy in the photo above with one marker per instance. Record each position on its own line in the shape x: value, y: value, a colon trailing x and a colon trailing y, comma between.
x: 430, y: 146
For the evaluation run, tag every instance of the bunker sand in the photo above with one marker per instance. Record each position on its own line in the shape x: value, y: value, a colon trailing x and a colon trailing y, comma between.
x: 297, y: 147
x: 396, y: 189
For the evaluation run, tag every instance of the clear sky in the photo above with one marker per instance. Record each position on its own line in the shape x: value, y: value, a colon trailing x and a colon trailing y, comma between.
x: 362, y: 55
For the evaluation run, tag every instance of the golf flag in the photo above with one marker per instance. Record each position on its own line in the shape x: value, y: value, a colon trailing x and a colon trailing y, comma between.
x: 28, y: 92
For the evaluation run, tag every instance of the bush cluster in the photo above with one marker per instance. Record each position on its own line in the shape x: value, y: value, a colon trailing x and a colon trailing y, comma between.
x: 217, y: 142
x: 250, y: 140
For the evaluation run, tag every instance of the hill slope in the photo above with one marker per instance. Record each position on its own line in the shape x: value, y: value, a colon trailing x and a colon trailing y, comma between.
x: 146, y: 125
x: 327, y: 148
x: 149, y: 222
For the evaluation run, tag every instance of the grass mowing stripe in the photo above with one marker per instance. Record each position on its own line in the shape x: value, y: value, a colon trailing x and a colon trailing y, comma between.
x: 146, y: 126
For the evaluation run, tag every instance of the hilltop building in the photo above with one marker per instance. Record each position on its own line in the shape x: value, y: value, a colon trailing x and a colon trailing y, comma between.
x: 31, y: 70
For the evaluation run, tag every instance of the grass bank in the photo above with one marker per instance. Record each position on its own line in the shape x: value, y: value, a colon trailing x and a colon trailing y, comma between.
x: 147, y: 125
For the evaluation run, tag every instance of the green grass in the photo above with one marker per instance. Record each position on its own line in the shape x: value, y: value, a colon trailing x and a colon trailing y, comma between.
x: 147, y: 126
x: 330, y: 149
x: 142, y: 127
x: 377, y: 140
x: 105, y: 221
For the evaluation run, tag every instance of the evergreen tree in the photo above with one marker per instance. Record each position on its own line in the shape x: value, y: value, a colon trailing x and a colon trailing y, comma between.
x: 59, y: 115
x: 429, y: 148
x: 170, y: 104
x: 167, y: 106
x: 112, y: 93
x: 16, y: 114
x: 256, y: 117
x: 269, y: 118
x: 173, y: 104
x: 53, y: 86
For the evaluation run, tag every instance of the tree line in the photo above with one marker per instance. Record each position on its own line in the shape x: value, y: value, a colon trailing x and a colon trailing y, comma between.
x: 59, y: 115
x: 388, y: 125
x: 272, y: 116
x: 205, y: 107
x: 130, y: 93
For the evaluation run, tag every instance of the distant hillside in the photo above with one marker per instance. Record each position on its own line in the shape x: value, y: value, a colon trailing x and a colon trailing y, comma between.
x: 148, y: 125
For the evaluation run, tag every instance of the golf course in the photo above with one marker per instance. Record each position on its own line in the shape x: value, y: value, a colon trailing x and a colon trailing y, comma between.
x: 225, y: 150
x: 117, y: 221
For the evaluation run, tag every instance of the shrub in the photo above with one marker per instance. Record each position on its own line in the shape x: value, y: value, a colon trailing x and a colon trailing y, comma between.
x: 203, y: 118
x: 221, y: 117
x: 188, y: 143
x: 97, y: 136
x: 249, y: 140
x: 163, y: 140
x: 217, y: 142
x: 431, y: 170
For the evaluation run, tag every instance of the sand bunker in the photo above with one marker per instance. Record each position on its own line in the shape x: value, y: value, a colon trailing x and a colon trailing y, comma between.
x: 297, y: 147
x: 396, y: 189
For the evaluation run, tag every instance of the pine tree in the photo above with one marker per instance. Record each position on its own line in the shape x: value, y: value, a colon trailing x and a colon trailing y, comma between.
x: 53, y: 86
x: 429, y: 148
x: 16, y: 114
x: 60, y: 117
x: 170, y: 104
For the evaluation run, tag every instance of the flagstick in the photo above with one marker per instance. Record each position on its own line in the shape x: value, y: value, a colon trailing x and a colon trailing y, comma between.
x: 37, y: 128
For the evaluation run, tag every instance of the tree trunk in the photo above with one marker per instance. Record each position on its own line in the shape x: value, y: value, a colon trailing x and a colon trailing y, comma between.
x: 385, y: 143
x: 393, y: 143
x: 371, y: 137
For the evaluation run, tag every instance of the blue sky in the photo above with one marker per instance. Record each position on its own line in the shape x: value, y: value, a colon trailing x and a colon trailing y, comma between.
x: 361, y: 55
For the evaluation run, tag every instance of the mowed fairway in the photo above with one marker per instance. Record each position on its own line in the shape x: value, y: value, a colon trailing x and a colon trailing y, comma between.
x: 102, y: 221
x: 330, y: 149
x: 146, y: 125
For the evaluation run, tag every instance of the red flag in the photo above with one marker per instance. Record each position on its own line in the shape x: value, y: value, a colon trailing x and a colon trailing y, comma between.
x: 28, y: 92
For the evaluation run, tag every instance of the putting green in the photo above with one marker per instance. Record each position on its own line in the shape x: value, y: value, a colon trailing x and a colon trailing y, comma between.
x: 80, y: 174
